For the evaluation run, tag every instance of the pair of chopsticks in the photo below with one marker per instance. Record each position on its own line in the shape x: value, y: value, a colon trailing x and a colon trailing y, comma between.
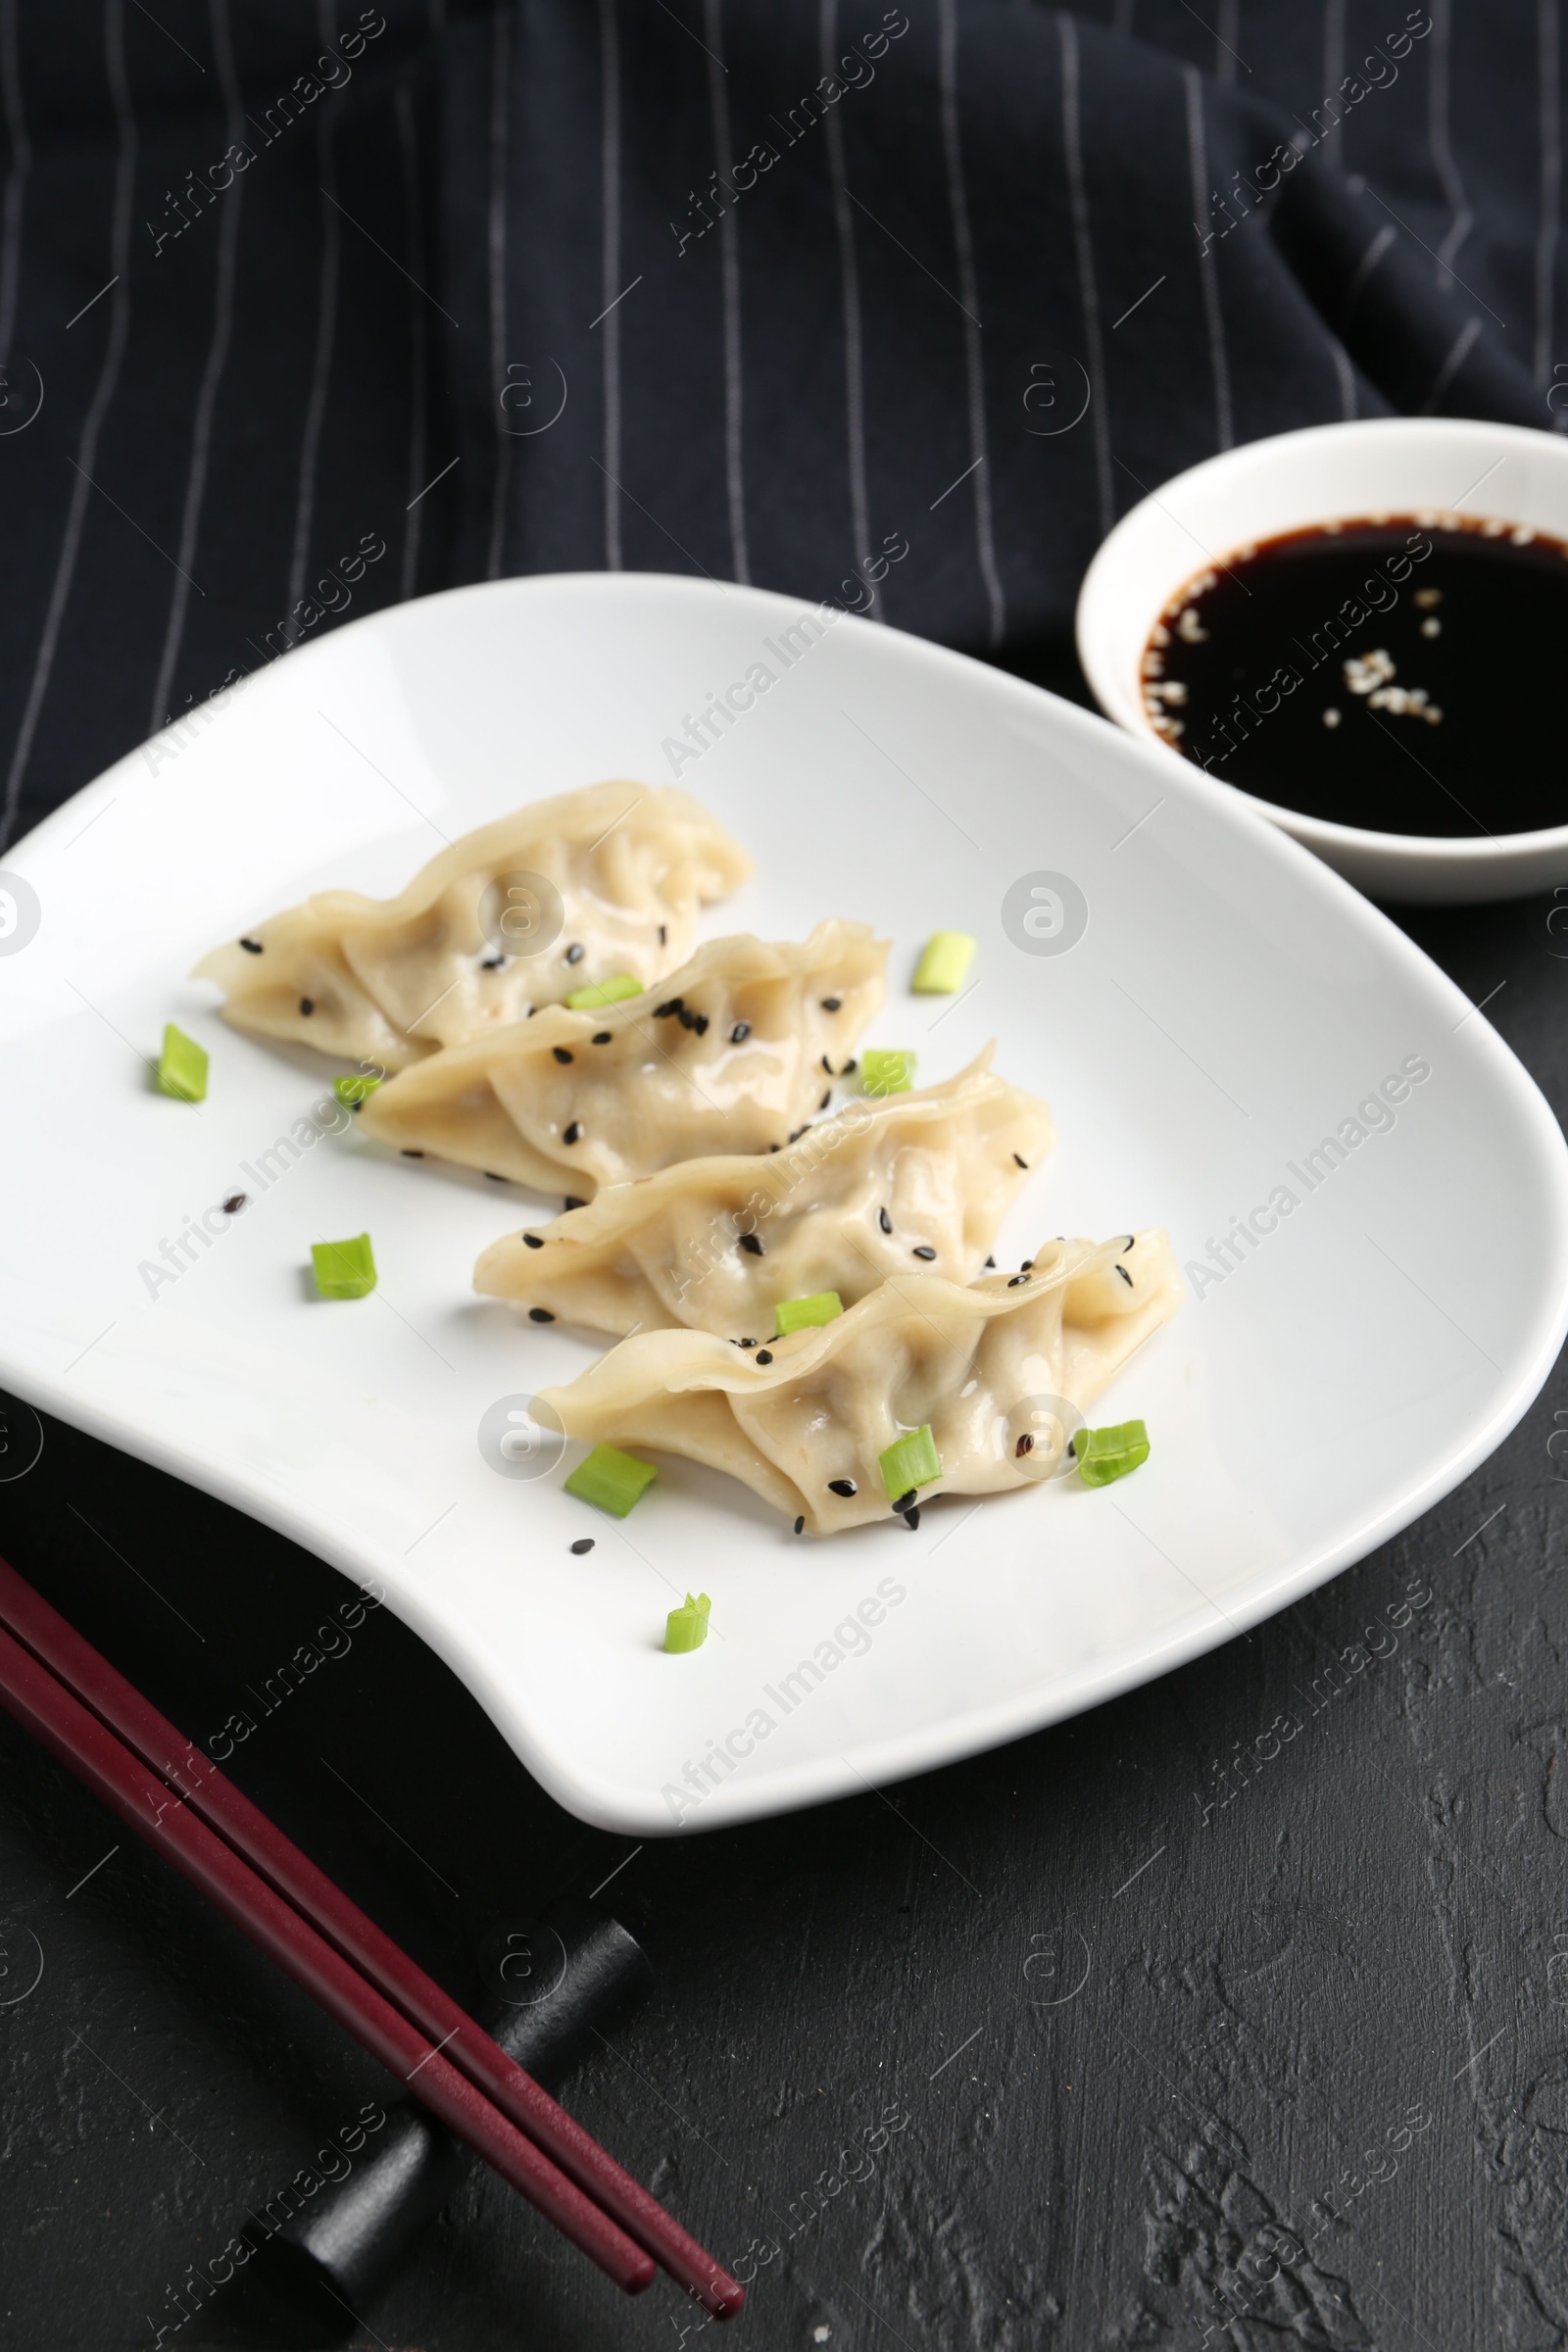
x: 77, y: 1706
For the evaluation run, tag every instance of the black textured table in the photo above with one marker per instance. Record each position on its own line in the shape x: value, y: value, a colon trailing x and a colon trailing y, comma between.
x: 1237, y: 2006
x: 1239, y: 2001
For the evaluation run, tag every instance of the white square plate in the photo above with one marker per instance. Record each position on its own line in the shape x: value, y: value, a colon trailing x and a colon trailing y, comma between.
x: 1230, y: 1005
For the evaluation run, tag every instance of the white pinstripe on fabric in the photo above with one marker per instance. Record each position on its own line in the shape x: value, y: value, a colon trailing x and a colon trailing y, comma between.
x: 1379, y: 246
x: 1549, y: 72
x: 730, y: 267
x: 974, y: 370
x: 610, y: 181
x: 850, y: 298
x: 1087, y: 287
x: 500, y: 71
x: 212, y: 373
x: 127, y: 149
x: 1438, y: 139
x: 1346, y: 375
x: 1459, y: 353
x: 17, y: 173
x: 1207, y: 274
x: 1333, y: 46
x: 325, y: 332
x: 419, y: 348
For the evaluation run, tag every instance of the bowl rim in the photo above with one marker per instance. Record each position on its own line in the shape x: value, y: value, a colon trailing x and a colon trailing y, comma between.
x: 1101, y: 591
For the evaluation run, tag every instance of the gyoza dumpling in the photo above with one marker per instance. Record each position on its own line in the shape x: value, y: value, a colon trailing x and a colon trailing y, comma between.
x: 624, y: 868
x: 881, y: 1188
x: 734, y: 1052
x: 805, y: 1421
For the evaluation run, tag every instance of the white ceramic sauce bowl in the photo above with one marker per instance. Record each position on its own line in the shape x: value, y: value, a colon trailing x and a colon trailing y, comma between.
x: 1330, y: 474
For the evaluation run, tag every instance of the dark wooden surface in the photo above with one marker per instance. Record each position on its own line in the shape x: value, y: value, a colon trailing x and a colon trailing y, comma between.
x: 1236, y: 2003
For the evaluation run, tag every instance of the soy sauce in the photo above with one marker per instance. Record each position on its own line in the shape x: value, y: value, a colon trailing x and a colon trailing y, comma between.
x: 1397, y: 673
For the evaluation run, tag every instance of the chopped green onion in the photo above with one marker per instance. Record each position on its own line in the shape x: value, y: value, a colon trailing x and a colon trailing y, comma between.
x: 611, y: 1480
x: 604, y: 992
x: 887, y: 1070
x: 354, y: 1087
x: 182, y: 1066
x: 799, y: 1314
x: 686, y: 1628
x: 1107, y: 1453
x: 911, y: 1461
x: 943, y: 964
x: 344, y: 1269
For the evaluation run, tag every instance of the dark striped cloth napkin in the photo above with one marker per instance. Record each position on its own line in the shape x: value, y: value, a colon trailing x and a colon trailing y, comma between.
x: 307, y: 306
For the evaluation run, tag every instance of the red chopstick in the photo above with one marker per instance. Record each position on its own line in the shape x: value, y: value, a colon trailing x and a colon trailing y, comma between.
x: 60, y: 1723
x: 224, y: 1808
x: 85, y: 1679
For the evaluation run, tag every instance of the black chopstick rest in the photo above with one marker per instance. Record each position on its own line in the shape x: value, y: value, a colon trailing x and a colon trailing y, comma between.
x: 571, y: 1970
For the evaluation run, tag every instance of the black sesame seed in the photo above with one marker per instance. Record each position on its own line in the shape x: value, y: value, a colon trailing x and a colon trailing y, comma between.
x: 355, y: 1107
x: 233, y: 1205
x: 905, y: 1500
x: 561, y: 1053
x: 749, y: 1240
x: 850, y: 1068
x: 740, y: 1033
x: 798, y: 1132
x: 773, y: 1146
x: 252, y: 947
x: 991, y: 1262
x: 827, y: 1065
x: 532, y: 1241
x: 307, y: 1003
x: 492, y: 1178
x: 912, y: 1518
x: 664, y: 936
x: 600, y: 1036
x: 491, y: 964
x: 532, y: 1010
x: 540, y: 1314
x: 924, y: 1250
x: 410, y: 1154
x: 572, y: 1202
x: 885, y: 1221
x: 1025, y: 1444
x: 764, y: 1356
x: 1126, y: 1277
x: 582, y: 1544
x: 1128, y: 1243
x: 826, y: 1100
x: 1028, y: 1266
x: 661, y: 1013
x: 572, y: 1132
x: 686, y: 1017
x: 841, y: 1486
x: 745, y: 1342
x: 798, y: 1524
x: 1023, y: 1163
x: 1014, y: 1280
x: 575, y: 952
x: 702, y: 1024
x: 831, y: 1004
